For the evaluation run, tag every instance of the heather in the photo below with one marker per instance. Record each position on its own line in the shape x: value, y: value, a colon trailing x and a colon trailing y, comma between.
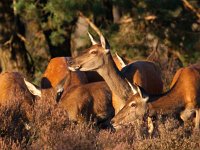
x: 50, y: 129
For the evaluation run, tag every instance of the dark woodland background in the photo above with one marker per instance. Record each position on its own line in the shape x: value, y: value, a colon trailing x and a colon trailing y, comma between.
x: 34, y: 31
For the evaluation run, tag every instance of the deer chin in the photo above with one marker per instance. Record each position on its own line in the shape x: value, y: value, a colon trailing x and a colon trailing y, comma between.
x: 75, y: 68
x: 116, y: 126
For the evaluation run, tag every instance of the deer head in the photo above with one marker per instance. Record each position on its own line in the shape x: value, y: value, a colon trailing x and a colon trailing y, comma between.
x: 135, y: 108
x: 92, y: 58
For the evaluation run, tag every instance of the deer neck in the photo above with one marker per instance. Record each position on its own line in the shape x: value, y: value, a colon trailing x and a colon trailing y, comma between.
x: 115, y: 79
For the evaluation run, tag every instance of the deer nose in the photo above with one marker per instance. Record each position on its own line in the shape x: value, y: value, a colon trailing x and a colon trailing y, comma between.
x: 77, y: 67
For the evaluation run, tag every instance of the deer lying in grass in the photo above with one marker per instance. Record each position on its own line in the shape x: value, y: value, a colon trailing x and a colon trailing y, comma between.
x: 88, y: 101
x: 55, y: 72
x: 80, y: 100
x: 184, y: 93
x: 98, y: 58
x: 15, y: 90
x: 12, y: 84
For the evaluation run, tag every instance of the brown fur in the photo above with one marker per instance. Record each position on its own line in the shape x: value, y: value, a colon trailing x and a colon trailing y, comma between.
x: 175, y: 78
x: 79, y: 99
x: 143, y: 73
x: 185, y: 93
x: 83, y: 101
x: 11, y: 84
x: 117, y: 62
x: 57, y: 70
x: 13, y: 90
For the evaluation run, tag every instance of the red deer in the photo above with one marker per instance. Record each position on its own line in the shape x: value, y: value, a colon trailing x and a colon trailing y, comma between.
x: 89, y: 100
x: 85, y: 102
x: 98, y: 58
x: 56, y: 71
x: 184, y: 93
x: 11, y: 84
x: 13, y: 89
x: 93, y: 76
x: 80, y: 100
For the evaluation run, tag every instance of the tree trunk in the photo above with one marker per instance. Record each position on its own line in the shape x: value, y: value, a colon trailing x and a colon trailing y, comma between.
x: 116, y: 13
x: 79, y: 39
x: 13, y: 55
x: 36, y: 43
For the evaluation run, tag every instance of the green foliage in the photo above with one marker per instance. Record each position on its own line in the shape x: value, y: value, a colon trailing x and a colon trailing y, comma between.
x: 174, y: 23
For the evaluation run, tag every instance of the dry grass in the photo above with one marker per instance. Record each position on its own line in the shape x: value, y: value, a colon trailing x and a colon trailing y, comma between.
x: 50, y: 129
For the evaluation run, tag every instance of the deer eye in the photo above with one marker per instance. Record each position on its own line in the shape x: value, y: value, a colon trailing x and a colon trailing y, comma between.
x: 133, y: 105
x: 93, y: 52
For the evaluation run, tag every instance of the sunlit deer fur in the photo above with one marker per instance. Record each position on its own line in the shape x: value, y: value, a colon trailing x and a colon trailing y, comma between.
x: 93, y: 76
x: 88, y: 101
x: 79, y: 99
x: 98, y: 58
x: 184, y: 94
x: 85, y: 102
x: 13, y: 91
x: 56, y: 71
x: 11, y: 84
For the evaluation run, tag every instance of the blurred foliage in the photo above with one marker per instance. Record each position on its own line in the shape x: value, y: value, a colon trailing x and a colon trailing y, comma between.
x: 173, y: 24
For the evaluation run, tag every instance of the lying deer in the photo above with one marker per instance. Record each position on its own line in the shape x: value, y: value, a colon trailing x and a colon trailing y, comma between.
x: 79, y: 99
x: 184, y: 93
x: 14, y: 90
x: 55, y: 72
x: 88, y: 101
x: 12, y: 84
x: 98, y: 58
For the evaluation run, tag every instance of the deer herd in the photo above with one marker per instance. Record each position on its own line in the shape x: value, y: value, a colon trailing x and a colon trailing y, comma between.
x: 99, y: 87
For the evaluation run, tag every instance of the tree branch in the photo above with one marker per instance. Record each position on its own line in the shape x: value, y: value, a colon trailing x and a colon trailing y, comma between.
x: 189, y: 6
x: 93, y: 26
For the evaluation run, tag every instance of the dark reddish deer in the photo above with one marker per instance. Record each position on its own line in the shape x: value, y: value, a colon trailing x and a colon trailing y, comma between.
x: 80, y: 100
x: 14, y: 90
x: 184, y: 93
x: 55, y: 72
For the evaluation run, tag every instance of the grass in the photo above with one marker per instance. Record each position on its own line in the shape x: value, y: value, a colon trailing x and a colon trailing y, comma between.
x: 50, y: 129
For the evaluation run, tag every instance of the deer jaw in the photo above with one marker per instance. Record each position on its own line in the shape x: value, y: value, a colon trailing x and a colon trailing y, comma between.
x: 91, y: 60
x: 135, y: 108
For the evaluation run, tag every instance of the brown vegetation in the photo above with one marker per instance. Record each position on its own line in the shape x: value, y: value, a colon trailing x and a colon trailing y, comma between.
x: 51, y: 130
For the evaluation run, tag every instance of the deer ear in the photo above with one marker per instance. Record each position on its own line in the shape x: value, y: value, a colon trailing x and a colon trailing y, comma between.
x: 32, y: 88
x: 105, y: 44
x: 144, y: 97
x: 133, y: 89
x: 92, y: 39
x: 122, y: 63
